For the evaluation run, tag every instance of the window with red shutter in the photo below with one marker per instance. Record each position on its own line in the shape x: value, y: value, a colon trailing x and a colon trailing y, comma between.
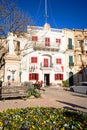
x: 30, y: 76
x: 33, y: 76
x: 58, y: 76
x: 58, y: 40
x: 47, y: 41
x: 58, y: 61
x: 45, y: 62
x: 61, y: 77
x: 34, y: 38
x: 33, y: 59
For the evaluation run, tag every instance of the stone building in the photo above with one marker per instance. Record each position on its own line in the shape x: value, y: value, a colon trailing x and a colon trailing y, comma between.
x: 51, y: 55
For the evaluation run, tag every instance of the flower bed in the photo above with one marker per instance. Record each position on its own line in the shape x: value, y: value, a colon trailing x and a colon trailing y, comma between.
x: 42, y: 119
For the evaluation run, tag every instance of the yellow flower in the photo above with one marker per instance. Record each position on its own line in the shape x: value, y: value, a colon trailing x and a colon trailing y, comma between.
x: 32, y: 128
x: 1, y: 124
x: 11, y: 112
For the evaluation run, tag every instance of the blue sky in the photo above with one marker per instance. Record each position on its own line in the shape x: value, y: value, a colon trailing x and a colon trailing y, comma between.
x: 61, y: 13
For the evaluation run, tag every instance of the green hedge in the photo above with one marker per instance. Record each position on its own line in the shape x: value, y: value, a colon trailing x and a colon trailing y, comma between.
x: 42, y: 119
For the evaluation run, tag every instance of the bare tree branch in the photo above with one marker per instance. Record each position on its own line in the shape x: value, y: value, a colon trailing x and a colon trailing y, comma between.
x: 11, y: 18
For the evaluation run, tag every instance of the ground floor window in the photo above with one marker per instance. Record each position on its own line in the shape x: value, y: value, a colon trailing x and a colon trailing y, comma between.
x: 58, y: 76
x: 33, y: 76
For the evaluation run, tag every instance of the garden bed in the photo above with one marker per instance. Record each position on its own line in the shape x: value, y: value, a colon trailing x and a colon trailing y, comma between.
x: 42, y: 119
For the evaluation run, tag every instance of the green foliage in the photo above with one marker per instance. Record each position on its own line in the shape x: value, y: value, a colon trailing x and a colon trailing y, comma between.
x: 33, y: 92
x: 40, y: 118
x: 65, y: 83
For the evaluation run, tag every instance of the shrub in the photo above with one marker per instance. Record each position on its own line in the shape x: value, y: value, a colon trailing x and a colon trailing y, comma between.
x: 65, y: 83
x: 33, y: 92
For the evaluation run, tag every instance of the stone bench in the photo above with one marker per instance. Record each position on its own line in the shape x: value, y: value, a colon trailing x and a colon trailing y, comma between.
x: 13, y: 91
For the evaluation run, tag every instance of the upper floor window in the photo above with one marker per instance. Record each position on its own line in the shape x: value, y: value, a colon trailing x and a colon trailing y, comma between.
x: 45, y: 62
x: 47, y: 41
x: 71, y: 63
x: 70, y: 43
x: 58, y: 61
x: 34, y: 38
x: 58, y: 40
x: 33, y: 59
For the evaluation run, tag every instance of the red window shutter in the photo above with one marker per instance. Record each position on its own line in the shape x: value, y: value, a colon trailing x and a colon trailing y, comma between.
x: 30, y: 76
x: 58, y: 40
x: 61, y: 77
x: 33, y: 59
x: 58, y: 76
x: 45, y: 62
x: 58, y: 61
x: 47, y: 41
x: 37, y: 76
x: 55, y: 76
x: 34, y: 38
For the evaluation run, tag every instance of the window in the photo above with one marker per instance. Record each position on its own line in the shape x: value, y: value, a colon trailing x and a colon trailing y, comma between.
x: 33, y: 59
x: 58, y: 76
x: 58, y: 40
x: 45, y: 62
x: 47, y: 41
x: 70, y: 43
x: 58, y: 61
x: 71, y: 61
x: 34, y: 38
x: 33, y: 76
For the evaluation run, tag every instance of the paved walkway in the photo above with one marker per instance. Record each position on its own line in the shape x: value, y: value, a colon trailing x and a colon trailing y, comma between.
x: 52, y: 97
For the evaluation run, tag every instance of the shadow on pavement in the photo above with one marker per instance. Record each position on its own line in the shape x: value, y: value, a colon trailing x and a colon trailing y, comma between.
x: 71, y: 105
x: 79, y: 95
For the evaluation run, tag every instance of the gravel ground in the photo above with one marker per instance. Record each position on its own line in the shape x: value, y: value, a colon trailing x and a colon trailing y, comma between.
x: 52, y: 97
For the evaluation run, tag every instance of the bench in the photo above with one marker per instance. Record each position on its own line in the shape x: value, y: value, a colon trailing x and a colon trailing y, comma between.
x: 13, y: 92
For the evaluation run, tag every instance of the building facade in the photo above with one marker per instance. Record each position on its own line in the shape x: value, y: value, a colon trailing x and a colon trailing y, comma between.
x: 44, y: 59
x: 52, y: 55
x: 80, y: 52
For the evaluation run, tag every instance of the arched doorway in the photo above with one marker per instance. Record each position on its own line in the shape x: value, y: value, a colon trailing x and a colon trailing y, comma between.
x: 70, y: 78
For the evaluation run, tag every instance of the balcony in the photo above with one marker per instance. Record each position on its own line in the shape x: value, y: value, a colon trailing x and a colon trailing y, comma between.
x: 41, y: 46
x: 46, y: 66
x: 71, y: 64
